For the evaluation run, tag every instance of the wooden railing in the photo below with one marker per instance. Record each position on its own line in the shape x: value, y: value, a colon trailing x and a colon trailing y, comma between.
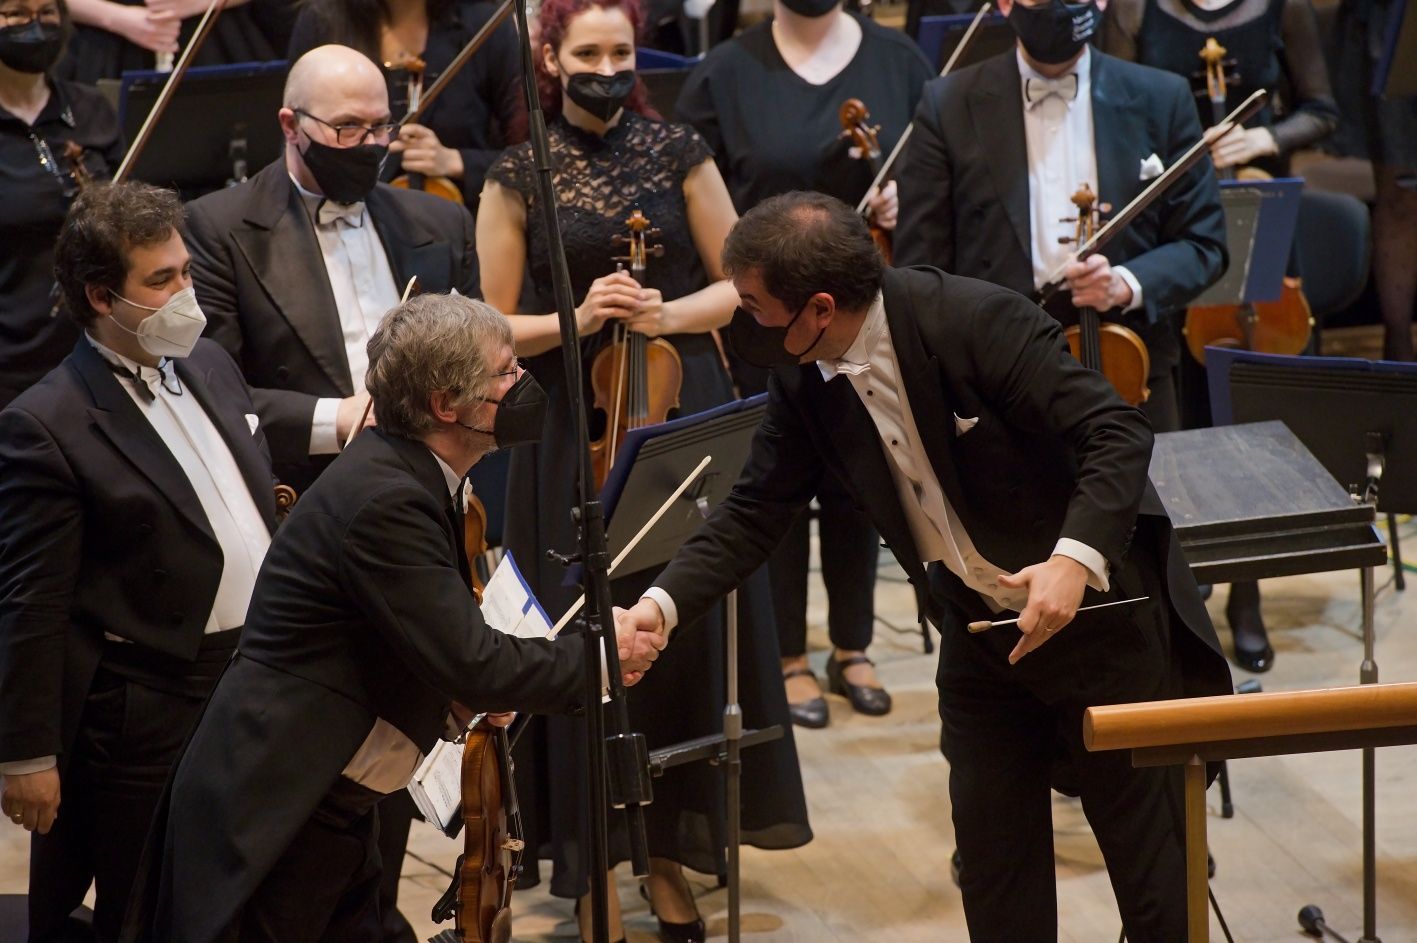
x: 1191, y: 732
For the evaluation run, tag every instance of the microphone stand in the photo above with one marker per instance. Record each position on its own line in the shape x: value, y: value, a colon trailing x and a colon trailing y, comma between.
x: 619, y: 760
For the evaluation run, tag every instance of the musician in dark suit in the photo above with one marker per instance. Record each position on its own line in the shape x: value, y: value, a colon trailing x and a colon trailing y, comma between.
x: 135, y: 510
x: 1000, y: 147
x: 1007, y: 479
x: 296, y: 266
x: 362, y: 630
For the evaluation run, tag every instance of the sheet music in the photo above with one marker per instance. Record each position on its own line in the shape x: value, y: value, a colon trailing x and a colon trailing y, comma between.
x: 508, y: 604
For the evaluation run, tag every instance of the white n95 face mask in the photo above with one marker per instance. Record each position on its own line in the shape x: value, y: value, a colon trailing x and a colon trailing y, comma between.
x: 171, y: 330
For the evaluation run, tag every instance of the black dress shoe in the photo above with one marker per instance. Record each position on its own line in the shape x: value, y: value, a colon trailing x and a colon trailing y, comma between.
x: 1255, y: 661
x: 1242, y: 610
x: 813, y: 713
x: 874, y: 702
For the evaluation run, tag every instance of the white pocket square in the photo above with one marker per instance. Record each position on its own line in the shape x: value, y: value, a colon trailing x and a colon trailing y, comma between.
x: 964, y: 425
x: 1151, y: 167
x: 252, y: 421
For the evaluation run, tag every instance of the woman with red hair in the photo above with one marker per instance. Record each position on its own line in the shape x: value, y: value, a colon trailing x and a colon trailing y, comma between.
x: 612, y: 154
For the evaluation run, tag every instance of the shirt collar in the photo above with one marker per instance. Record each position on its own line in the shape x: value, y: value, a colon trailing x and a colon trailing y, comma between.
x: 313, y: 200
x: 857, y: 358
x: 1082, y: 68
x: 453, y: 479
x: 142, y: 371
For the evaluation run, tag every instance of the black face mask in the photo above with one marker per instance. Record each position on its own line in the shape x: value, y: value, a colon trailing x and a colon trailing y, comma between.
x: 520, y: 413
x: 601, y: 95
x: 765, y: 346
x: 33, y: 47
x: 345, y: 174
x: 812, y: 8
x: 1054, y: 33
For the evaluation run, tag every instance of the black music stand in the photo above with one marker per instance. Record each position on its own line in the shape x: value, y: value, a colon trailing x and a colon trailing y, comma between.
x: 220, y: 124
x: 939, y: 35
x: 653, y: 462
x: 1357, y: 417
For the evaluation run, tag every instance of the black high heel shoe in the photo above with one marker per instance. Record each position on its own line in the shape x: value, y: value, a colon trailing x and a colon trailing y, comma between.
x: 692, y: 932
x: 1242, y: 611
x: 814, y: 713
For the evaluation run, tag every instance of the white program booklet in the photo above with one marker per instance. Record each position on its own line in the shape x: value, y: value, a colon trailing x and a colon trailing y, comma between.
x: 508, y: 606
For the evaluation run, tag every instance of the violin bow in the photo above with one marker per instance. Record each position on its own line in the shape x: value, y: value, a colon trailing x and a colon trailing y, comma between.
x: 910, y: 128
x: 1247, y: 109
x: 169, y: 88
x: 484, y: 33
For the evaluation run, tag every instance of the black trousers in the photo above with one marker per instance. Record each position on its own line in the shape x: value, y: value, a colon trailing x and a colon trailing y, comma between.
x: 129, y: 736
x: 849, y: 545
x: 1009, y: 731
x: 325, y: 887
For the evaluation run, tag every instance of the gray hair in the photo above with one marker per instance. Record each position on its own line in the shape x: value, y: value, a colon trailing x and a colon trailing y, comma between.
x: 431, y: 343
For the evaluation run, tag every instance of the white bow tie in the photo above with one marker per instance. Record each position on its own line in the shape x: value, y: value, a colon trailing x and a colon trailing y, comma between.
x: 1035, y: 90
x: 330, y: 212
x: 833, y: 368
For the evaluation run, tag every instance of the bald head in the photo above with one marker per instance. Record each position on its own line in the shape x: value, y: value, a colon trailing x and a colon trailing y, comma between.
x: 330, y: 78
x: 329, y: 87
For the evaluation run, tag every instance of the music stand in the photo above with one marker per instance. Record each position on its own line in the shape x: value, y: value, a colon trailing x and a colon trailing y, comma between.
x: 220, y: 123
x: 653, y: 461
x: 1356, y: 417
x: 939, y: 35
x: 664, y: 74
x: 1260, y: 219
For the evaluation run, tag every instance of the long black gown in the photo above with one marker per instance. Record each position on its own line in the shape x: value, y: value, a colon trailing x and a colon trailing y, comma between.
x: 639, y: 163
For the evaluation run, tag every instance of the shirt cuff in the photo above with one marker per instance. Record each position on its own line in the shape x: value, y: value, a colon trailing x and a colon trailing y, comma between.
x: 1095, y: 563
x: 1122, y: 272
x: 324, y: 440
x: 24, y: 767
x: 666, y: 606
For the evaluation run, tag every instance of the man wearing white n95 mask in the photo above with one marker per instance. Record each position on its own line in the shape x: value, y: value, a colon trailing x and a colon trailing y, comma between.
x: 135, y: 510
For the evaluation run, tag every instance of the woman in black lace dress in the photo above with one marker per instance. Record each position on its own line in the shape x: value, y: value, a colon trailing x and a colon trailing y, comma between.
x: 610, y: 156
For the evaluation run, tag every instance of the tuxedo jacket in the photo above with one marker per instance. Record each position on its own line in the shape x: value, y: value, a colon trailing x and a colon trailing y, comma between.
x: 361, y: 611
x: 1054, y: 453
x: 101, y: 531
x: 261, y: 280
x: 963, y: 181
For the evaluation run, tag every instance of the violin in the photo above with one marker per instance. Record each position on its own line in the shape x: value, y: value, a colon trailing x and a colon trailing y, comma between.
x: 854, y: 116
x: 635, y: 379
x: 487, y: 871
x: 413, y: 68
x: 1111, y: 349
x: 1282, y: 326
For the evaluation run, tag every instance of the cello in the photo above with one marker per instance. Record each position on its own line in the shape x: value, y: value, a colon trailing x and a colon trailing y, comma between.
x: 479, y: 898
x: 1111, y: 349
x: 1282, y: 326
x: 635, y: 379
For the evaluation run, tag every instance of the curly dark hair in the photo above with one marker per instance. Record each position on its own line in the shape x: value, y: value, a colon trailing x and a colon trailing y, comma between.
x: 802, y: 243
x: 104, y: 224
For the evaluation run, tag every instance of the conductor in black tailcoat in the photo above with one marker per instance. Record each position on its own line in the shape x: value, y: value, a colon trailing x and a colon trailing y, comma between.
x: 1007, y: 479
x: 362, y: 630
x: 1000, y: 147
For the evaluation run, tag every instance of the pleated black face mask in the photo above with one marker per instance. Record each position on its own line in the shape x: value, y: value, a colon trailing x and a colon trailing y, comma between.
x: 601, y: 95
x: 520, y: 414
x: 765, y: 346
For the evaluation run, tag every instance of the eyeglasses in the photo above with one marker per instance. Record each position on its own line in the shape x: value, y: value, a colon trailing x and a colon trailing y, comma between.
x: 352, y: 135
x: 517, y: 368
x: 15, y: 17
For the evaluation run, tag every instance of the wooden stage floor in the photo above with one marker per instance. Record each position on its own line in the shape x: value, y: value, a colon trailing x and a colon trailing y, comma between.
x: 878, y: 868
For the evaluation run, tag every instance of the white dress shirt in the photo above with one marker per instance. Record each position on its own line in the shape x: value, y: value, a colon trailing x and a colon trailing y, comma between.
x: 193, y: 439
x: 362, y: 282
x: 1062, y: 156
x: 387, y: 759
x: 870, y: 365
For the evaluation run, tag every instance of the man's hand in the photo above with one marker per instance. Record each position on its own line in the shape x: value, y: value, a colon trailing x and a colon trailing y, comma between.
x: 884, y: 205
x: 32, y: 799
x: 1055, y: 591
x: 502, y: 720
x: 351, y: 411
x: 1095, y: 285
x: 640, y: 633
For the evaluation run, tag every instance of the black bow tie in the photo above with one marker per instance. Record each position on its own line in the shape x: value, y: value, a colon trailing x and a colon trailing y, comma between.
x: 146, y: 387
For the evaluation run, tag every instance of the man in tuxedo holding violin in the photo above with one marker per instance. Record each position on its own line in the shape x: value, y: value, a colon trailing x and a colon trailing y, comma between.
x: 1000, y: 147
x: 296, y: 266
x: 1007, y: 480
x: 362, y: 631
